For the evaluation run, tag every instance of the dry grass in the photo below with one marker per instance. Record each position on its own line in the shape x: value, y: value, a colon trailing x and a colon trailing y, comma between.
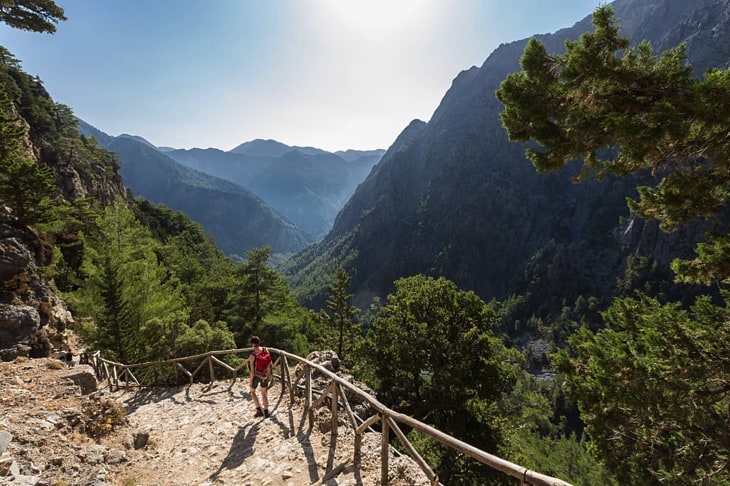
x: 54, y: 364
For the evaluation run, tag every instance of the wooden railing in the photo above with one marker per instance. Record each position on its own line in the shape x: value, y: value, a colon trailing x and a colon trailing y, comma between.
x: 122, y: 375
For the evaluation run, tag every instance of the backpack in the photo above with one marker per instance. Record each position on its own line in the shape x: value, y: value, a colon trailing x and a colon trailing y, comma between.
x: 263, y: 366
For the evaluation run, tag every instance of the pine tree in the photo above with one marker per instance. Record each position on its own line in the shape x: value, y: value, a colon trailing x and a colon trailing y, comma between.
x: 32, y: 15
x: 127, y: 282
x: 27, y: 187
x: 340, y: 315
x: 622, y: 110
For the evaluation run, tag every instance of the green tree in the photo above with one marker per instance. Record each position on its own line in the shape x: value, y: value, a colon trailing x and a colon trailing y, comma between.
x: 127, y: 285
x: 202, y: 337
x: 27, y: 187
x: 435, y: 358
x: 32, y: 15
x: 653, y: 390
x: 112, y: 322
x: 651, y: 386
x: 259, y: 291
x: 340, y: 315
x: 623, y: 110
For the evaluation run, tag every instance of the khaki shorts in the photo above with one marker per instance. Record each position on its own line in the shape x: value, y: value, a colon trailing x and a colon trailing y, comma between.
x: 259, y: 381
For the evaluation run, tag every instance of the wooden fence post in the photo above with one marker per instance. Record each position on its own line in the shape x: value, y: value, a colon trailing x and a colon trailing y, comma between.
x: 210, y: 368
x: 333, y: 408
x: 308, y: 387
x: 384, y: 446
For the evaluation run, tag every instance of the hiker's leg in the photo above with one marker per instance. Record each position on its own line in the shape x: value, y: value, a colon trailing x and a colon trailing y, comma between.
x: 255, y: 398
x: 265, y: 397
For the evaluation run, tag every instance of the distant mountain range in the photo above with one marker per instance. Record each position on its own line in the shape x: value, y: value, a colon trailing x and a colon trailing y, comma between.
x: 307, y: 185
x: 454, y: 197
x: 236, y: 218
x: 298, y: 190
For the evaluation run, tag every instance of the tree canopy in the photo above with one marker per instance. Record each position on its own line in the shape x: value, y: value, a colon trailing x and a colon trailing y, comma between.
x: 652, y: 386
x: 623, y: 110
x: 653, y: 390
x: 435, y: 358
x: 32, y: 15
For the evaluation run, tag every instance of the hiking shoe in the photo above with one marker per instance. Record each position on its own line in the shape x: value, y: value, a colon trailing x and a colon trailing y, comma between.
x: 259, y: 412
x: 266, y: 413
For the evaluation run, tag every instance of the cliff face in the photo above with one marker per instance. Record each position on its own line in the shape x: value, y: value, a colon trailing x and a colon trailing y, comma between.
x: 32, y: 316
x: 454, y: 197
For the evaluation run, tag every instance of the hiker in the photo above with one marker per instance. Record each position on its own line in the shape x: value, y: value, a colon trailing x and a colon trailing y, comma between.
x: 259, y: 362
x: 69, y: 358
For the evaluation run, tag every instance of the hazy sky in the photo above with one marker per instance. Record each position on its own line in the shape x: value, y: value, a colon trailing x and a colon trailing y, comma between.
x: 334, y: 74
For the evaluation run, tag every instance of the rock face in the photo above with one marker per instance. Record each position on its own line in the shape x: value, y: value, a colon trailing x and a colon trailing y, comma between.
x: 30, y: 310
x: 455, y: 198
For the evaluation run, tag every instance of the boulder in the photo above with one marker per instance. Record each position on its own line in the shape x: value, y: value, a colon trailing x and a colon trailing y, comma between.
x: 5, y: 438
x: 84, y: 377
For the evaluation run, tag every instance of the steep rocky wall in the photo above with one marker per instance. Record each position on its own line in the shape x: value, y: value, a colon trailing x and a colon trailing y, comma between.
x: 31, y: 314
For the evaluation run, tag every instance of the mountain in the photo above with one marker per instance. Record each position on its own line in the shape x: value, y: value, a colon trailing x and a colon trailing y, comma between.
x: 139, y: 139
x: 308, y: 186
x: 237, y: 219
x: 271, y: 148
x: 454, y: 197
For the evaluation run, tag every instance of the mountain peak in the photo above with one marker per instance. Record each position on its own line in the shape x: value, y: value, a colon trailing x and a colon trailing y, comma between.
x: 139, y: 139
x: 271, y: 148
x: 262, y: 148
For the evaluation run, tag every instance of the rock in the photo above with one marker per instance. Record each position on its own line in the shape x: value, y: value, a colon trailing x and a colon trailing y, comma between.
x: 14, y: 257
x: 115, y: 456
x: 5, y: 464
x: 84, y: 377
x: 94, y: 458
x: 8, y: 354
x: 140, y: 438
x: 35, y: 304
x: 327, y: 359
x: 17, y: 317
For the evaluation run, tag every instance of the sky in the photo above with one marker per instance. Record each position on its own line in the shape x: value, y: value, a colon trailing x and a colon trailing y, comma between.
x: 332, y: 74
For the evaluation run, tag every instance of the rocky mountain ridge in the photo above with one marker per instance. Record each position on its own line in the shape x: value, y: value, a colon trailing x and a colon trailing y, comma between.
x: 454, y: 197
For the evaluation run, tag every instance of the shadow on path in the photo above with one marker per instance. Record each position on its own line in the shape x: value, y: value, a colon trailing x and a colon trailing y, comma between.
x: 288, y: 430
x: 241, y: 448
x: 146, y: 396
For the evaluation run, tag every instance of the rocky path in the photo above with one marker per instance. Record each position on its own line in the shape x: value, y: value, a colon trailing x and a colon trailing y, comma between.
x: 192, y: 435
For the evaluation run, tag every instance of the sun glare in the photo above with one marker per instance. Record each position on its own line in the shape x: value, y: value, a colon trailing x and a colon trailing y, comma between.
x: 382, y: 15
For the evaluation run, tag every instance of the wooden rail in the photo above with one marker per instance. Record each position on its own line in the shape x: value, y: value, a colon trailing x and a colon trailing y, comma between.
x: 122, y: 375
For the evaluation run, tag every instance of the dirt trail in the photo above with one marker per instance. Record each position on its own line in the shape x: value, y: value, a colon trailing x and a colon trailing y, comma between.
x: 191, y: 435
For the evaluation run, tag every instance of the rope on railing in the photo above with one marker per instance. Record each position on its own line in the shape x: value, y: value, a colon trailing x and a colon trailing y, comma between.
x: 121, y: 375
